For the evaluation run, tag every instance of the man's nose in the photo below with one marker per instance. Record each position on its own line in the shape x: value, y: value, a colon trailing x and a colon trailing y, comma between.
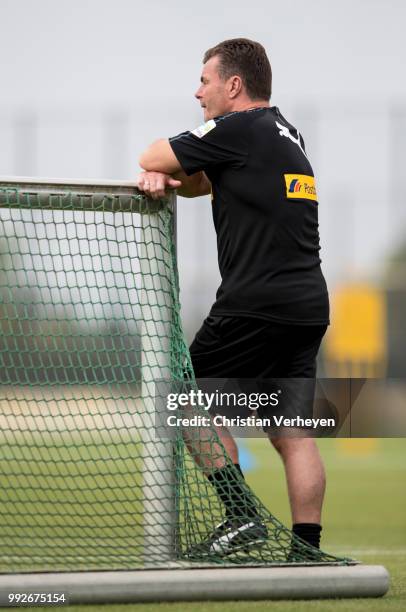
x: 198, y: 93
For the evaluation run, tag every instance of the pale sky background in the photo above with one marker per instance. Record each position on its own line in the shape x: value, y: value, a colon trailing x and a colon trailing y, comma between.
x: 87, y: 84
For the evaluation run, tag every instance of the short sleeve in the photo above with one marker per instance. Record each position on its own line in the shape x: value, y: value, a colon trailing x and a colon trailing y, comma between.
x: 218, y: 142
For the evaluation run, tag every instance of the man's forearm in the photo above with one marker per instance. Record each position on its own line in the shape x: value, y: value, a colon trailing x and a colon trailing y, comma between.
x: 159, y: 157
x: 192, y: 186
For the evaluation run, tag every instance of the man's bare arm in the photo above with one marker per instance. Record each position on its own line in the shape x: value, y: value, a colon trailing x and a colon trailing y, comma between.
x: 160, y: 164
x: 159, y: 157
x: 193, y: 186
x: 156, y: 184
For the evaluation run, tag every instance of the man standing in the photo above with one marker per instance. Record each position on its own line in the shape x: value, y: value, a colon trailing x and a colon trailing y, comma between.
x: 271, y: 309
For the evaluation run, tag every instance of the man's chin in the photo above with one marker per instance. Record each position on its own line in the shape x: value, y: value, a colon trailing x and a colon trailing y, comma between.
x: 206, y: 115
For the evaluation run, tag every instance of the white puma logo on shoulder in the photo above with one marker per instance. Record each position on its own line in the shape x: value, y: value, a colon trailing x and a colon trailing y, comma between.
x: 284, y: 131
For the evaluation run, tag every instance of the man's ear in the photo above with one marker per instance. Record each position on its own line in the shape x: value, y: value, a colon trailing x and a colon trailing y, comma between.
x: 234, y: 86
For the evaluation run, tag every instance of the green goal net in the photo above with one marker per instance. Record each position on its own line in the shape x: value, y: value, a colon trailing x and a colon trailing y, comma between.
x: 89, y: 322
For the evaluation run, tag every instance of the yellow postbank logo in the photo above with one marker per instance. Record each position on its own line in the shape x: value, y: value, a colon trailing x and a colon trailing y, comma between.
x: 300, y: 187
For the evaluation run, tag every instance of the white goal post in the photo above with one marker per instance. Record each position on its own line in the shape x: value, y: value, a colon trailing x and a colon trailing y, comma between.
x: 172, y: 579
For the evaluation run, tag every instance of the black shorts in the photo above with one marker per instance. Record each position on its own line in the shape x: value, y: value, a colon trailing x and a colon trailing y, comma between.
x: 255, y: 351
x: 240, y: 347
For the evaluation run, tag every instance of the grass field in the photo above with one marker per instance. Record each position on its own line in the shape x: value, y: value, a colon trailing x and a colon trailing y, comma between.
x: 365, y: 517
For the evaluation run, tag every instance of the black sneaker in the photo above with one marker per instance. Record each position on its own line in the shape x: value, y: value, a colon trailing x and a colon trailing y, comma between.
x: 231, y: 536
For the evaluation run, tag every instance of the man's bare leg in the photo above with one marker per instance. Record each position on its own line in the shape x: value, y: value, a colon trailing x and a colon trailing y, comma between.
x: 305, y: 474
x: 228, y: 443
x: 206, y: 451
x: 305, y: 477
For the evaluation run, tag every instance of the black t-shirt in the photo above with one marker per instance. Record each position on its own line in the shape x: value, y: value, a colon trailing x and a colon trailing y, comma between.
x: 265, y: 214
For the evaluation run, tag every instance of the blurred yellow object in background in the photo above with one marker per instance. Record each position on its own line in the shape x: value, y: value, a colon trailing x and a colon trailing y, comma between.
x: 356, y: 342
x: 357, y: 446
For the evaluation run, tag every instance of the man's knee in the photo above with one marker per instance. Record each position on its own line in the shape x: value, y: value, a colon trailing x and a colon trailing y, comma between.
x: 286, y: 446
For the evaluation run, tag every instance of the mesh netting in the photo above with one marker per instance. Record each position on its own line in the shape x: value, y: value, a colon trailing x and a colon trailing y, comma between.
x: 89, y: 321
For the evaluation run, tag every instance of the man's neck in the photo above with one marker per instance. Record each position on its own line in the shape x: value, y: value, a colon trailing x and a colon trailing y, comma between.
x: 249, y: 104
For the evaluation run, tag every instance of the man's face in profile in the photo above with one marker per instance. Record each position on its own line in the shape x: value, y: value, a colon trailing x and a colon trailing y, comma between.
x: 212, y: 93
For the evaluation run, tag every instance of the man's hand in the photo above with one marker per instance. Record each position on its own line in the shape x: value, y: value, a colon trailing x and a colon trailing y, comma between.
x: 156, y: 184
